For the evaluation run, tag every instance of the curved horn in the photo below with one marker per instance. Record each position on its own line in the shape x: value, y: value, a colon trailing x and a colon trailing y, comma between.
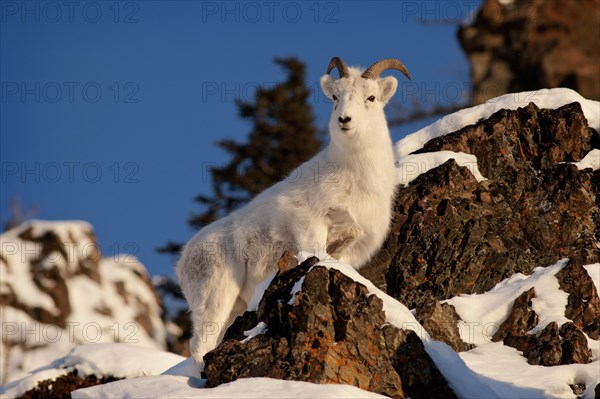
x: 375, y: 70
x: 337, y: 62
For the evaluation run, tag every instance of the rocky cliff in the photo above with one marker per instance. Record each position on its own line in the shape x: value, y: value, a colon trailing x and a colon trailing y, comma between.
x: 510, y: 256
x: 453, y: 235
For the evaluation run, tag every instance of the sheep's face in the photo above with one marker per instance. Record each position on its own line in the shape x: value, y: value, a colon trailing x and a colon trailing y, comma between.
x: 357, y: 102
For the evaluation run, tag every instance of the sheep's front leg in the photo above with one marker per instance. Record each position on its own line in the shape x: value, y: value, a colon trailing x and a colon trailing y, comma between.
x: 315, y: 239
x: 211, y: 284
x: 340, y: 238
x: 343, y: 231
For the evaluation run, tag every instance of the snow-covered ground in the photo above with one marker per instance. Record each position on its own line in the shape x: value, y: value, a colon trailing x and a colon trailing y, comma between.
x: 117, y: 360
x: 169, y: 386
x: 482, y: 315
x: 491, y: 370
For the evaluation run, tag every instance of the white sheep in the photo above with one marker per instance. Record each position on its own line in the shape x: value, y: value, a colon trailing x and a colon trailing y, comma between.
x: 339, y: 201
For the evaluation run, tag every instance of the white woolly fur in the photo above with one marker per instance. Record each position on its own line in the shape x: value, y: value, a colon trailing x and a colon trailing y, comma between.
x: 339, y: 201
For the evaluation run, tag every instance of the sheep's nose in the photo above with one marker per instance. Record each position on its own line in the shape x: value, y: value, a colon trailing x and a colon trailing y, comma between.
x: 345, y: 119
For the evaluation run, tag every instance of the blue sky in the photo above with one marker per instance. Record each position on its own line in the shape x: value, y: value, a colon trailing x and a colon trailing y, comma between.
x: 109, y: 111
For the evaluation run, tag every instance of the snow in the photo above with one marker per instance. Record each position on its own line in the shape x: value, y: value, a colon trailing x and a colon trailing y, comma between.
x: 185, y: 368
x: 409, y: 167
x: 594, y: 272
x: 545, y: 98
x: 482, y: 314
x: 118, y: 360
x: 591, y: 160
x: 182, y: 381
x: 506, y: 369
x: 260, y: 328
x: 491, y: 370
x: 19, y: 387
x: 295, y: 289
x: 168, y: 386
x: 17, y: 251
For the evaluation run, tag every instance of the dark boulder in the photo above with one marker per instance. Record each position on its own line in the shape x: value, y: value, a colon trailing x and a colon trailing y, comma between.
x: 441, y: 322
x: 553, y: 345
x: 331, y: 331
x: 521, y: 319
x: 583, y: 306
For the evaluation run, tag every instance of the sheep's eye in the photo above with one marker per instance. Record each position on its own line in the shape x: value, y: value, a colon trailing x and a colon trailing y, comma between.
x: 372, y: 98
x: 334, y: 98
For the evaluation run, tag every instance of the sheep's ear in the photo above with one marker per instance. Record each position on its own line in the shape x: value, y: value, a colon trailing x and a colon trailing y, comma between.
x: 387, y: 88
x: 327, y: 85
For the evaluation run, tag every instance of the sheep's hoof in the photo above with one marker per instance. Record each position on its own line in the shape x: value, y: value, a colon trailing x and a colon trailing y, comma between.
x: 335, y: 248
x: 341, y: 239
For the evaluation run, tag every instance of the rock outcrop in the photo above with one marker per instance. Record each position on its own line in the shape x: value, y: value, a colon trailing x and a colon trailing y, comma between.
x: 521, y: 319
x: 440, y: 320
x: 551, y: 346
x: 452, y: 235
x: 532, y: 44
x: 318, y: 325
x: 58, y: 291
x: 583, y: 306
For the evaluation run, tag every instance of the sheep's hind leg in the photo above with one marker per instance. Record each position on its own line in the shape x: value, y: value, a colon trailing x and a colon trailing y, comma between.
x: 216, y: 298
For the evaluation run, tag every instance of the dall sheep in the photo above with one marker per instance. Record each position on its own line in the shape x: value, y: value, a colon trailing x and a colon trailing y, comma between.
x: 346, y: 209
